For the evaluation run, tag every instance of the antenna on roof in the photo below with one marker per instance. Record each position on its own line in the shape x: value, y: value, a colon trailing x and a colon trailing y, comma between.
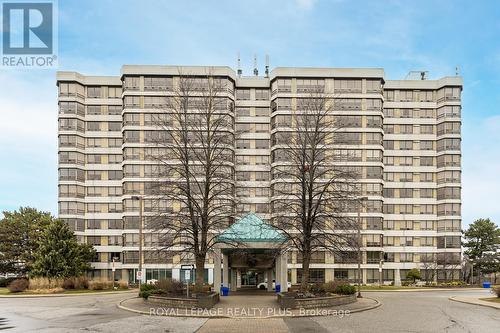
x: 255, y: 70
x: 457, y: 71
x: 267, y: 65
x: 239, y: 65
x: 411, y: 75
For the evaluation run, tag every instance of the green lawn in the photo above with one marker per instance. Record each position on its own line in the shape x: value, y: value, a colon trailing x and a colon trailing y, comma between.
x: 389, y: 287
x: 4, y: 291
x: 491, y: 299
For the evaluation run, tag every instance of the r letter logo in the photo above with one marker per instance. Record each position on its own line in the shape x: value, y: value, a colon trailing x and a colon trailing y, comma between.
x: 28, y: 29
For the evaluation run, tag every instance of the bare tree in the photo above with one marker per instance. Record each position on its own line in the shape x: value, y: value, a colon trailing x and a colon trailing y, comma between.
x: 429, y: 266
x: 313, y: 187
x: 195, y: 168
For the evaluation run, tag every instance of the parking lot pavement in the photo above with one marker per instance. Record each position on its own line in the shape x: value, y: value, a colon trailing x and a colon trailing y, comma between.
x: 400, y: 311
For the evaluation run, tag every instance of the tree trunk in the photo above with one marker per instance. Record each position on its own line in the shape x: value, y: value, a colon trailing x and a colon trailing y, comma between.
x: 200, y: 273
x: 306, y: 260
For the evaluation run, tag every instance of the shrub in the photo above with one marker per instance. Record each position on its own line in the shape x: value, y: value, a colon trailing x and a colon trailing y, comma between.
x: 147, y: 290
x: 100, y: 285
x: 76, y: 282
x: 496, y: 290
x: 18, y: 285
x: 81, y: 282
x: 317, y: 288
x: 122, y: 284
x: 39, y: 283
x: 345, y: 289
x: 4, y: 282
x: 331, y: 286
x: 170, y: 286
x: 69, y: 283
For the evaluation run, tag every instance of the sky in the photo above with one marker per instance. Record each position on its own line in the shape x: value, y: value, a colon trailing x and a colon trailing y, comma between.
x: 97, y: 37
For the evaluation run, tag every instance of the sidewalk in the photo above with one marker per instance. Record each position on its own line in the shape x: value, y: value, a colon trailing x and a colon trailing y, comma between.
x: 246, y: 307
x: 475, y: 301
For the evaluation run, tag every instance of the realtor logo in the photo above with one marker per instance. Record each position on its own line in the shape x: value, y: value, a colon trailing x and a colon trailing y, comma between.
x: 28, y: 34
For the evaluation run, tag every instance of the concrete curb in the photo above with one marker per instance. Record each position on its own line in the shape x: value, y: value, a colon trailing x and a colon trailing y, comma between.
x: 123, y: 307
x: 68, y: 295
x: 478, y: 302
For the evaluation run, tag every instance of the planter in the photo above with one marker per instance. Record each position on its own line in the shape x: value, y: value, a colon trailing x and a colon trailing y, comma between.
x: 289, y: 302
x: 204, y: 302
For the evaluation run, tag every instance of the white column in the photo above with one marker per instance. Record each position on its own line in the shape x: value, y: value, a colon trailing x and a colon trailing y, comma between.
x: 217, y: 268
x: 284, y: 272
x: 176, y: 274
x: 278, y: 270
x: 269, y: 275
x: 238, y: 278
x: 363, y: 274
x: 397, y: 277
x: 233, y: 279
x: 225, y: 271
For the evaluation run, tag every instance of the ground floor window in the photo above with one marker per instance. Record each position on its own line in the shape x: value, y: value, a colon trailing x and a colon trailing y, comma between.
x: 372, y: 275
x: 118, y: 275
x: 388, y: 275
x: 193, y: 276
x: 316, y: 275
x: 158, y: 274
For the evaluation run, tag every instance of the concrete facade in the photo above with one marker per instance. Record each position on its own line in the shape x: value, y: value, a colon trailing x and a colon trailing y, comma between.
x: 404, y: 136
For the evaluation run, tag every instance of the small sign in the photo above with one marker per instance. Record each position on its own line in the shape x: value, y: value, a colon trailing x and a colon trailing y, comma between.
x: 187, y: 266
x: 187, y: 275
x: 113, y: 269
x: 138, y: 275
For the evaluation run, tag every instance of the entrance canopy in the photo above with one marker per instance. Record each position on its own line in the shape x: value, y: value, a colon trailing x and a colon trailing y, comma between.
x: 250, y: 229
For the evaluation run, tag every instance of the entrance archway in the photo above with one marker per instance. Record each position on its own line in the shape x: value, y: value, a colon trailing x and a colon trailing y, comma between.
x: 252, y: 251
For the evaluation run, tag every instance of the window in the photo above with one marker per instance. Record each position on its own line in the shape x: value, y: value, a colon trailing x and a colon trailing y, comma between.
x: 406, y: 257
x: 115, y: 175
x: 316, y: 275
x: 426, y: 161
x: 388, y: 225
x: 347, y: 85
x: 373, y: 86
x: 243, y: 94
x: 426, y: 145
x: 406, y: 129
x: 94, y: 92
x: 242, y: 144
x: 426, y: 241
x: 261, y: 112
x: 405, y: 145
x: 242, y: 112
x: 261, y: 175
x: 426, y: 129
x: 261, y: 94
x: 93, y: 126
x: 114, y: 110
x: 406, y: 225
x: 94, y: 240
x: 261, y: 144
x: 406, y: 241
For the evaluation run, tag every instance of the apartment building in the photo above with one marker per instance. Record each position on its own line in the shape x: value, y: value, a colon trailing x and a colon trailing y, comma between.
x: 403, y: 136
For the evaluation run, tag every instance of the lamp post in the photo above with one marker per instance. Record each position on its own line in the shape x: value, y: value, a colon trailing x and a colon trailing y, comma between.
x: 381, y: 262
x: 113, y: 270
x: 361, y: 199
x: 136, y: 197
